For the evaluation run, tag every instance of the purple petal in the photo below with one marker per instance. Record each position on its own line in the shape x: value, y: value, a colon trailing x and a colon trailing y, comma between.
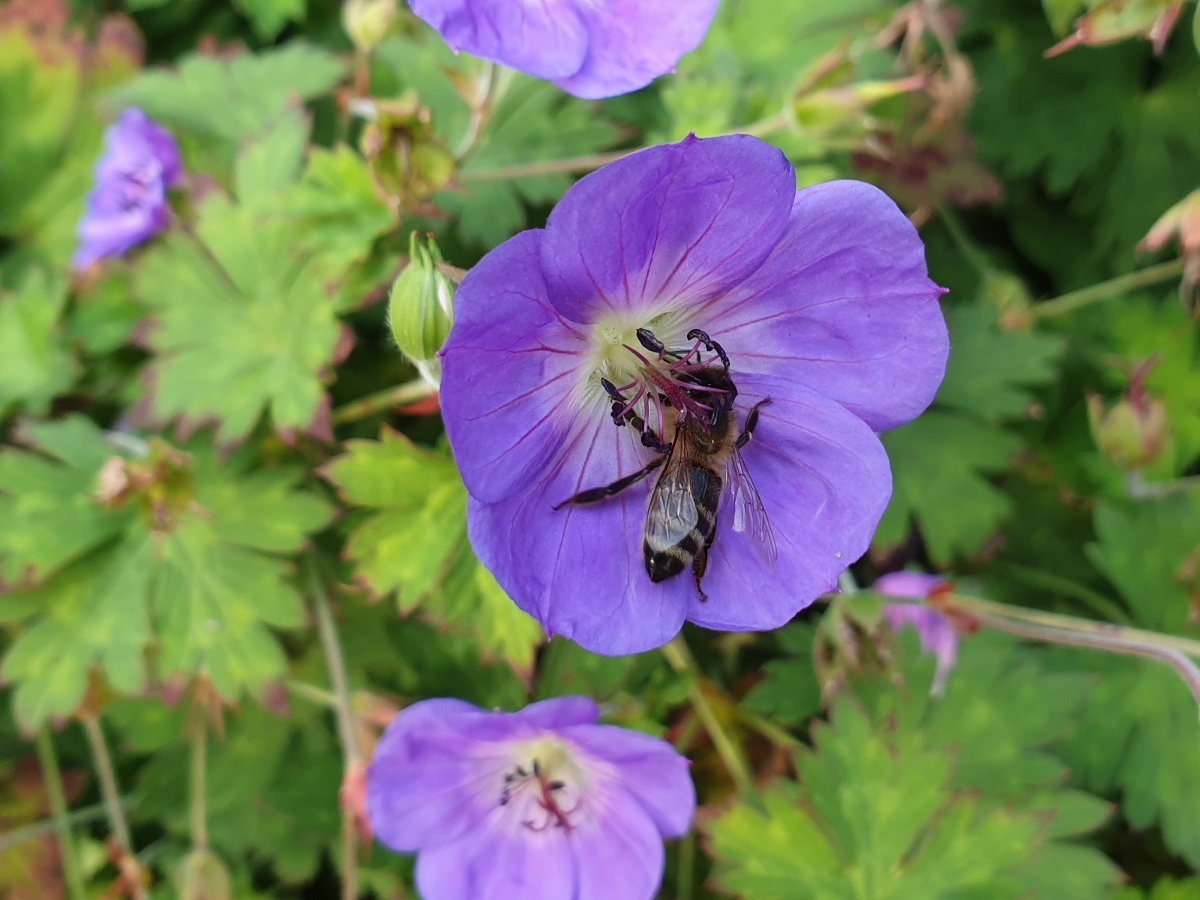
x: 916, y: 585
x: 499, y: 864
x: 650, y: 769
x: 508, y: 366
x: 618, y: 853
x: 547, y: 38
x: 561, y: 712
x: 422, y: 785
x: 824, y: 480
x: 937, y: 633
x: 843, y: 307
x: 666, y: 226
x: 635, y: 41
x: 579, y: 570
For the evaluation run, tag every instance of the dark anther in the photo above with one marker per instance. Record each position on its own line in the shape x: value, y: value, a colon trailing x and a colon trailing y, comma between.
x: 557, y: 785
x: 654, y: 442
x: 709, y: 344
x: 522, y: 772
x: 537, y: 769
x: 504, y: 799
x: 647, y: 339
x: 611, y: 390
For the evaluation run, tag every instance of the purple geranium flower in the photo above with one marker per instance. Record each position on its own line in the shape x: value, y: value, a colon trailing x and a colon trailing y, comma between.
x: 590, y: 48
x: 128, y: 204
x: 539, y: 804
x: 820, y: 302
x: 938, y: 634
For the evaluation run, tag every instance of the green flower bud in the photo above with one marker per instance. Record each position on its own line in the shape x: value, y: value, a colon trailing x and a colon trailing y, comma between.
x: 1133, y: 433
x: 204, y: 877
x: 367, y: 21
x: 421, y: 309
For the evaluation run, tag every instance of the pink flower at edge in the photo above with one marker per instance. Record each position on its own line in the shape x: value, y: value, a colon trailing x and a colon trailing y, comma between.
x: 937, y: 633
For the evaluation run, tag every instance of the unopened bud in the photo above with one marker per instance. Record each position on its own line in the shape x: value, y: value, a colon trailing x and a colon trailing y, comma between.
x: 1133, y: 433
x: 367, y: 21
x: 421, y: 309
x: 204, y: 877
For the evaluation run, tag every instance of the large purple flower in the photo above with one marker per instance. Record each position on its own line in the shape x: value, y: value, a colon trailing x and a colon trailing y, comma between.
x: 590, y: 48
x: 539, y: 804
x: 820, y: 301
x: 128, y: 204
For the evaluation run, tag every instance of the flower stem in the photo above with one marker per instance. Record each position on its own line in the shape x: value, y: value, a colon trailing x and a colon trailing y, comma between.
x: 401, y: 395
x: 313, y: 694
x: 966, y: 246
x: 569, y: 166
x: 1106, y: 290
x: 685, y: 877
x: 976, y: 607
x: 351, y: 753
x: 1095, y: 601
x: 1186, y: 669
x: 35, y: 830
x: 198, y: 784
x: 680, y: 659
x: 488, y: 94
x: 131, y: 871
x: 52, y: 779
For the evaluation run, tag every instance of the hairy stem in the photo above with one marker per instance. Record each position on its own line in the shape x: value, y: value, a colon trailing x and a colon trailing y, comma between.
x: 1185, y: 668
x: 57, y: 796
x: 131, y: 871
x: 198, y: 784
x: 351, y: 753
x: 978, y: 608
x: 1105, y: 290
x: 488, y: 93
x: 401, y: 395
x: 680, y: 659
x: 1095, y: 601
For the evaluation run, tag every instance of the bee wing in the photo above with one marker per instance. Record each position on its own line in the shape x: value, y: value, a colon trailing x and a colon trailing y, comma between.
x: 672, y: 514
x: 749, y: 514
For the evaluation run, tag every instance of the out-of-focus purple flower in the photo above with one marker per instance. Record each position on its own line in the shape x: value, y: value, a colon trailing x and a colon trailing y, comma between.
x: 590, y: 48
x: 938, y: 634
x: 539, y: 804
x: 128, y: 204
x: 821, y: 301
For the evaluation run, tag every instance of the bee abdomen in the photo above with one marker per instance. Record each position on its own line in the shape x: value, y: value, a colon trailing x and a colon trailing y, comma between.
x: 667, y: 563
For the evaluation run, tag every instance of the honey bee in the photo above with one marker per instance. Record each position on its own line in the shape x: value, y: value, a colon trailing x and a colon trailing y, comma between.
x: 700, y: 464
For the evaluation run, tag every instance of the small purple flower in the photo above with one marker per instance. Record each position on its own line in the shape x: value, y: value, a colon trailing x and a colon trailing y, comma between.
x: 590, y: 48
x: 538, y: 804
x: 128, y: 204
x: 938, y: 634
x: 582, y: 351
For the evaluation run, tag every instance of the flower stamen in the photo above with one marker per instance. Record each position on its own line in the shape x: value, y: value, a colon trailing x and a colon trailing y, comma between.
x: 545, y: 800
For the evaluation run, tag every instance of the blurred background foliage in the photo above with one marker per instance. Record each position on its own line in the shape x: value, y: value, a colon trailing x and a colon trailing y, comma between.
x: 232, y: 538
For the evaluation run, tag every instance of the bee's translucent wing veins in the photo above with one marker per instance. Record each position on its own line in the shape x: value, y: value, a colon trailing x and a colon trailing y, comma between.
x: 749, y: 514
x: 672, y: 514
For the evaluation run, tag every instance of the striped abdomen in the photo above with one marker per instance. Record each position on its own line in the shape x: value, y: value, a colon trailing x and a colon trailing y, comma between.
x: 666, y: 558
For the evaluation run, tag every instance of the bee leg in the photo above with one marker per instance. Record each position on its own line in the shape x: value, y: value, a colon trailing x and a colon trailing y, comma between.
x: 593, y: 495
x: 699, y: 567
x: 751, y: 423
x: 709, y: 344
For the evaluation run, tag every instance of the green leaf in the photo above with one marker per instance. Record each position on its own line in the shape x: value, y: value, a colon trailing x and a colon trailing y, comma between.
x: 940, y: 463
x: 233, y: 98
x: 789, y: 692
x: 903, y: 795
x: 414, y: 544
x: 1144, y: 549
x: 339, y: 207
x: 269, y: 17
x: 989, y: 369
x: 194, y: 574
x: 48, y: 515
x: 533, y: 122
x: 35, y: 367
x: 243, y: 325
x: 1137, y: 736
